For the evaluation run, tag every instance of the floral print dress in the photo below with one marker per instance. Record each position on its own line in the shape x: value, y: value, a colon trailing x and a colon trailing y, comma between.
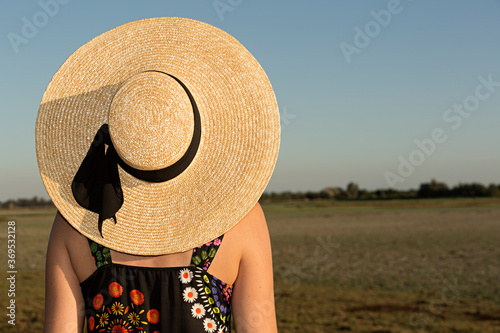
x: 125, y: 299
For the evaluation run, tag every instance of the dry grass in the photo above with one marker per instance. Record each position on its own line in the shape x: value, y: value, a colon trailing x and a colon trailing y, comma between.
x: 387, y: 268
x: 32, y: 233
x: 399, y: 266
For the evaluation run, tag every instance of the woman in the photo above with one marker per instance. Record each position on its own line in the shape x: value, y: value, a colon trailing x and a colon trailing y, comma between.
x: 158, y: 228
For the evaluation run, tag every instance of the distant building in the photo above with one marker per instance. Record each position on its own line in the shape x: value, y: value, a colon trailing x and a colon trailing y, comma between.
x: 434, y: 189
x: 331, y: 192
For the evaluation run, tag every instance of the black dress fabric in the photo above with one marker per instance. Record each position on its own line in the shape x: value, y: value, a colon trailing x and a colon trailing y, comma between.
x: 125, y: 299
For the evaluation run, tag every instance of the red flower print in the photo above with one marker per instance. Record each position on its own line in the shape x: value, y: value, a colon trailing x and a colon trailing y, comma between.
x: 118, y: 326
x: 91, y: 323
x: 153, y: 316
x: 137, y: 297
x: 118, y: 329
x: 115, y: 289
x: 98, y: 301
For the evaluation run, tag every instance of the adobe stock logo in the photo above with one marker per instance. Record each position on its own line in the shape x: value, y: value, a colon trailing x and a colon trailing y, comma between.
x: 30, y: 27
x: 454, y: 117
x: 222, y: 7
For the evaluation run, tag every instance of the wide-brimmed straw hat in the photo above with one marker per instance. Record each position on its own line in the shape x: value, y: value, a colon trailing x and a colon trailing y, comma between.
x: 157, y: 136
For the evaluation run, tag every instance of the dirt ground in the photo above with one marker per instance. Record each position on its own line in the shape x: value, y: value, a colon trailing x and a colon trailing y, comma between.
x: 401, y: 266
x: 388, y: 269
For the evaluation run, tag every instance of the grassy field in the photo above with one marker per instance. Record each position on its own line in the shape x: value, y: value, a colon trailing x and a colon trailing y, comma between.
x: 373, y: 266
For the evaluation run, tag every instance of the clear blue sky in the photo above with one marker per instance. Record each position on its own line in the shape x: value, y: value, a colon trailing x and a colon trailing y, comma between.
x: 354, y: 93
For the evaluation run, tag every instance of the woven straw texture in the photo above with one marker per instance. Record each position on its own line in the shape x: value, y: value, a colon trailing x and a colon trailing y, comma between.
x: 110, y: 80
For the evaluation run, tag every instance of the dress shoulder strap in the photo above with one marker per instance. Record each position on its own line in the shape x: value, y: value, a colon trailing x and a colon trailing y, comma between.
x: 100, y: 253
x: 204, y: 255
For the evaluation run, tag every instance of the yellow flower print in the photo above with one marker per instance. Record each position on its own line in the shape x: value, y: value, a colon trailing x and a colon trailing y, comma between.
x: 117, y: 308
x: 134, y: 318
x: 103, y: 319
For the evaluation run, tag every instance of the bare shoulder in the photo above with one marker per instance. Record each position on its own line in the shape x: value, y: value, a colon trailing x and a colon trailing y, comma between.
x: 63, y: 237
x: 61, y: 231
x: 250, y: 232
x: 240, y: 243
x: 252, y: 226
x: 251, y: 235
x: 253, y: 288
x: 67, y: 242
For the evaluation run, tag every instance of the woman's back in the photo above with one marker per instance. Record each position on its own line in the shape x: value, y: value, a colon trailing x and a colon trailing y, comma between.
x: 224, y: 265
x: 192, y: 291
x: 119, y: 298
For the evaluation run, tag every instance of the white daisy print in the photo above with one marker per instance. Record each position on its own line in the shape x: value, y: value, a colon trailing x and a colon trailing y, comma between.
x: 190, y: 295
x: 185, y: 275
x: 210, y: 325
x: 198, y: 311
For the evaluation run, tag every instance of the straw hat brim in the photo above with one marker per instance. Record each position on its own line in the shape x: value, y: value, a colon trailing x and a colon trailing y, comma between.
x: 236, y: 155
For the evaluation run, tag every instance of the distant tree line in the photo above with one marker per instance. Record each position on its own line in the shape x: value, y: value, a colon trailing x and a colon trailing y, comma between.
x: 33, y: 202
x: 433, y: 189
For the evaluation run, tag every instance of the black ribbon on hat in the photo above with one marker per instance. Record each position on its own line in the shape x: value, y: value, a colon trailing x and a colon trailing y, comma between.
x: 97, y: 185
